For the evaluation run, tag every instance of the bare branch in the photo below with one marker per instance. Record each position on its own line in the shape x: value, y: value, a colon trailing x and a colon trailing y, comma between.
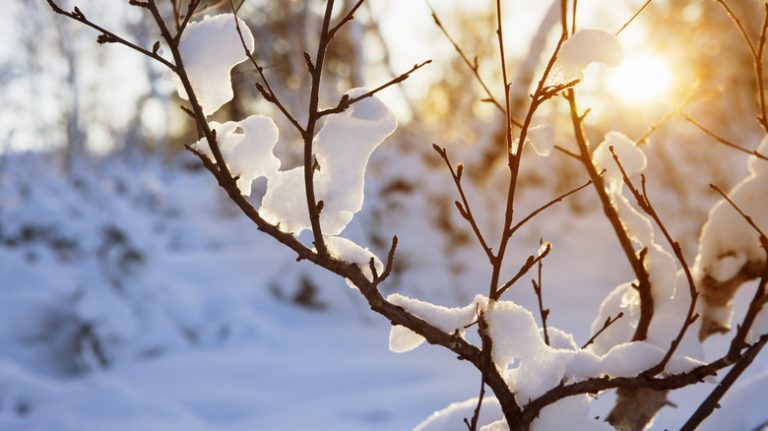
x: 347, y: 18
x: 532, y: 260
x: 108, y: 36
x: 720, y: 139
x: 464, y: 209
x: 745, y: 216
x: 473, y: 67
x: 543, y: 312
x: 537, y: 211
x: 267, y: 92
x: 608, y: 322
x: 629, y: 21
x: 346, y: 101
x: 472, y: 423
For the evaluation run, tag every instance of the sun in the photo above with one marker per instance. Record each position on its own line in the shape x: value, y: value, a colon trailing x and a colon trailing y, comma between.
x: 641, y: 79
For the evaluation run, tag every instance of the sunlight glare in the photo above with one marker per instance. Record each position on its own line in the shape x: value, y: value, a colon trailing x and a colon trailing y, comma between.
x: 640, y: 79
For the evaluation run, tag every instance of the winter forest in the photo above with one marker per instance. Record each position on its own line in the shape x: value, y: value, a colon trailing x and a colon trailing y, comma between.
x: 429, y: 215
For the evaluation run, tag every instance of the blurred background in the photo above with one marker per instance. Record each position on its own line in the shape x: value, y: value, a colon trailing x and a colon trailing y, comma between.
x: 134, y: 295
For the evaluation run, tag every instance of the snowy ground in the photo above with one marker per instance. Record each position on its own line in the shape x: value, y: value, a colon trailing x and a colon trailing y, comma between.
x: 181, y: 306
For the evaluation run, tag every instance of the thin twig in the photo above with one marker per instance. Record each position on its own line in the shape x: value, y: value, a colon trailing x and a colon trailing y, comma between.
x: 472, y: 423
x: 473, y: 66
x: 268, y: 93
x: 532, y: 260
x: 464, y: 208
x: 108, y: 36
x: 672, y: 112
x: 745, y: 216
x: 346, y: 101
x: 629, y: 21
x: 537, y: 211
x: 737, y: 22
x: 720, y: 139
x: 608, y: 322
x: 543, y: 312
x: 757, y: 57
x: 347, y: 18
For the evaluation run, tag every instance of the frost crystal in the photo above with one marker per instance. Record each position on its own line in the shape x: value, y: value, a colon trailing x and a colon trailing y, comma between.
x: 210, y: 49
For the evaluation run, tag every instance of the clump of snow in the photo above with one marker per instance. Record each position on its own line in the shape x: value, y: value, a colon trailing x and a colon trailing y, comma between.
x: 592, y: 45
x: 449, y: 320
x: 248, y: 148
x: 452, y: 417
x: 210, y: 49
x: 508, y: 344
x: 347, y: 251
x: 631, y: 157
x: 584, y: 47
x: 729, y: 248
x: 638, y: 226
x: 542, y: 139
x: 342, y: 149
x: 570, y: 413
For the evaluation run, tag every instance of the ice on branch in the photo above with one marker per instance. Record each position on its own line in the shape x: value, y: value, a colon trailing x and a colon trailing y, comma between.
x: 729, y: 248
x: 247, y: 146
x: 580, y: 50
x: 342, y: 149
x: 347, y: 251
x: 210, y: 49
x: 449, y: 320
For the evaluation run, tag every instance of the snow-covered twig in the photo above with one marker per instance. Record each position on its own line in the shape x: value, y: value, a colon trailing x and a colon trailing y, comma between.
x: 669, y: 382
x: 644, y: 202
x: 472, y: 423
x: 349, y: 16
x: 644, y: 285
